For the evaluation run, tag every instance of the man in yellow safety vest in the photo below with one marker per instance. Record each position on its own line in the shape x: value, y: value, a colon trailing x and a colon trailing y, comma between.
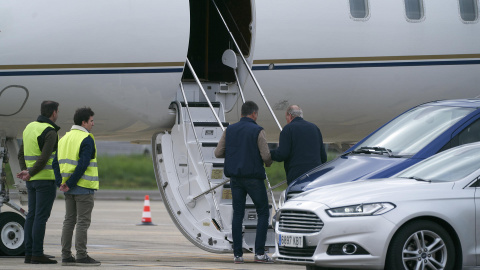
x: 38, y: 162
x: 77, y: 157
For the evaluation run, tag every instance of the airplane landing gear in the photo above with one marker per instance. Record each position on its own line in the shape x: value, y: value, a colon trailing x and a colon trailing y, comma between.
x: 12, y: 234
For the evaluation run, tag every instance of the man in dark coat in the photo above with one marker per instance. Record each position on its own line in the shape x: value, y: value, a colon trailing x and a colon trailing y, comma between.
x: 300, y: 146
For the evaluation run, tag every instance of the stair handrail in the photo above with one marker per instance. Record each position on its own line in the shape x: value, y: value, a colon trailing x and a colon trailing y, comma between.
x: 239, y: 86
x: 247, y: 66
x: 217, y: 209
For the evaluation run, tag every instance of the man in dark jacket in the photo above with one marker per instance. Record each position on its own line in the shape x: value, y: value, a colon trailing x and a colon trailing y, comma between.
x: 38, y: 162
x: 300, y: 146
x: 245, y: 149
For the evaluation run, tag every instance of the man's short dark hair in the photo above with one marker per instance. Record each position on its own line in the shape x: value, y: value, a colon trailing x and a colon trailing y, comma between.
x: 82, y: 114
x: 248, y: 108
x: 48, y: 107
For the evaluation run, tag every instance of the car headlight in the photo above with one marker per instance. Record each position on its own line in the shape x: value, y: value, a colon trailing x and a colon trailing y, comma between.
x: 367, y: 209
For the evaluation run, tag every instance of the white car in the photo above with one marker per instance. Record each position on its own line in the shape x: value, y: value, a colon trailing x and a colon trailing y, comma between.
x: 425, y: 217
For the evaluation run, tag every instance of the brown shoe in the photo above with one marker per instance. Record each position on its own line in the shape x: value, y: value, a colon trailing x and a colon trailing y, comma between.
x: 42, y: 260
x: 28, y: 259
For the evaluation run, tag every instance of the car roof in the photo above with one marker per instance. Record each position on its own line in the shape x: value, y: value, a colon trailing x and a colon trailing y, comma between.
x: 468, y: 103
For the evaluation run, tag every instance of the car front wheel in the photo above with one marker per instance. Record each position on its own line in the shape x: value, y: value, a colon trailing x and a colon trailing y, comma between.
x: 421, y: 245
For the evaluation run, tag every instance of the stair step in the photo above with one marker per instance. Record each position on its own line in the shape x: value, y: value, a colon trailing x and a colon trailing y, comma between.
x: 215, y: 104
x: 210, y: 124
x: 209, y: 144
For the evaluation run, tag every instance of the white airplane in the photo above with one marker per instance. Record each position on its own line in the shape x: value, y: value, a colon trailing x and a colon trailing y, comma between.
x: 350, y: 64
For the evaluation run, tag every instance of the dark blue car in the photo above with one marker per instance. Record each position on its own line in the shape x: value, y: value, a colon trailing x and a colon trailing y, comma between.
x: 407, y: 139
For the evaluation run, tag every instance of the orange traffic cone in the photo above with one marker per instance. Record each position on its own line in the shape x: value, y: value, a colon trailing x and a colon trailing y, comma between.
x: 146, y: 216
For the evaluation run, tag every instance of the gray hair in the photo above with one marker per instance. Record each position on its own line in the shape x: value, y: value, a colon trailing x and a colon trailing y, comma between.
x: 295, y: 111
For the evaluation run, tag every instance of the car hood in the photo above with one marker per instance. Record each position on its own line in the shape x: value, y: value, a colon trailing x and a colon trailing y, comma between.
x: 374, y: 190
x: 346, y: 168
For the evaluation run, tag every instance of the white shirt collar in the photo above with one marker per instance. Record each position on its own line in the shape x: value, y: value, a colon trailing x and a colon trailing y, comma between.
x: 79, y: 128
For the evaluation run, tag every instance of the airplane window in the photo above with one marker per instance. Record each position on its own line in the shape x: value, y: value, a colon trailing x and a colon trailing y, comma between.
x: 359, y: 9
x: 414, y: 9
x: 469, y: 10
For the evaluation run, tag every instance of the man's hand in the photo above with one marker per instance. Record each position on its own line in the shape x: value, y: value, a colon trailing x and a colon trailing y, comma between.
x: 64, y: 187
x: 24, y: 175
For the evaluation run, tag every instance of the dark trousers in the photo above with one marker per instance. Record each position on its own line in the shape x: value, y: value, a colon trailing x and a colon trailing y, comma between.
x: 255, y: 188
x: 41, y: 194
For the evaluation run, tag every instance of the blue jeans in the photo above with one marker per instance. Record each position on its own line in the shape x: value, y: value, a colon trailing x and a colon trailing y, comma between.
x: 41, y: 195
x: 255, y: 188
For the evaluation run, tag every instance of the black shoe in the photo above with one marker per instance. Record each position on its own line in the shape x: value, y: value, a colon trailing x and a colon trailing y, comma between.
x: 69, y: 261
x: 49, y: 256
x: 42, y: 260
x: 88, y: 261
x: 28, y: 258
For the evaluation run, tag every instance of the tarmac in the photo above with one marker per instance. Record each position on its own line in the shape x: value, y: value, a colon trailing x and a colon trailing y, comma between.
x: 133, y: 195
x: 116, y: 240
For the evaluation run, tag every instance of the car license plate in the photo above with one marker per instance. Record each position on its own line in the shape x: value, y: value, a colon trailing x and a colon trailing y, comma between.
x: 290, y: 240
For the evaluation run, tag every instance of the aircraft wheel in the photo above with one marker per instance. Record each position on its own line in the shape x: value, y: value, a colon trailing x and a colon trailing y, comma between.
x: 421, y: 245
x: 12, y: 234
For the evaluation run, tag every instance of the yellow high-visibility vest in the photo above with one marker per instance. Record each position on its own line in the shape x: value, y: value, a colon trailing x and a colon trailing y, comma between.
x: 69, y: 155
x: 32, y: 150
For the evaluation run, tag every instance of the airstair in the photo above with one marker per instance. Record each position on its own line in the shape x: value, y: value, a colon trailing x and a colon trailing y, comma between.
x: 193, y: 186
x: 191, y: 180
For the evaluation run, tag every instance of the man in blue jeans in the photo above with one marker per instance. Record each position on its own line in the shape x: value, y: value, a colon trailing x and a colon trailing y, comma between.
x: 38, y: 162
x: 245, y: 149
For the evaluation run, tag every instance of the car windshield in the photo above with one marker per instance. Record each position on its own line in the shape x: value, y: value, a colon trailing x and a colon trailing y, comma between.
x: 448, y: 166
x: 413, y: 130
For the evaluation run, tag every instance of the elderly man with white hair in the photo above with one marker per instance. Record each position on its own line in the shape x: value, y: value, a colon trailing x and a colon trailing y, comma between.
x: 300, y: 146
